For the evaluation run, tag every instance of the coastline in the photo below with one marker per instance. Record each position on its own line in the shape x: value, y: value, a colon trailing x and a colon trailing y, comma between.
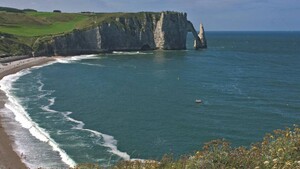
x: 8, y: 157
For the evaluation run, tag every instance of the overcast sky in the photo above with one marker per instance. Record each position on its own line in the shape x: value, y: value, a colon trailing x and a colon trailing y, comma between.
x: 215, y: 14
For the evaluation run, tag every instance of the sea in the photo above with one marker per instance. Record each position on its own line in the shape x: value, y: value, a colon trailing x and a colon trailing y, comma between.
x: 141, y: 105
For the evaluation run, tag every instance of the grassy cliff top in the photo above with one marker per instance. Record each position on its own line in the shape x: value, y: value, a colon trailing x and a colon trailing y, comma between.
x: 29, y: 23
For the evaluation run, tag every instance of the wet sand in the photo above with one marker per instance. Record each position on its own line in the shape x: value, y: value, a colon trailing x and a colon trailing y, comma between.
x: 8, y: 157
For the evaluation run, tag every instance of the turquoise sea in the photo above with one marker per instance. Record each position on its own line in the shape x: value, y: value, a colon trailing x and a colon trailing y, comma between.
x: 141, y: 105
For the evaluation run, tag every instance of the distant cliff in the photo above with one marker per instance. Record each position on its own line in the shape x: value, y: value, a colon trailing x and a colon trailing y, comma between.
x: 146, y: 31
x: 52, y: 33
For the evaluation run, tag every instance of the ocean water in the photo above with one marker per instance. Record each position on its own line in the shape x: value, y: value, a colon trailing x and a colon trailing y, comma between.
x: 141, y: 105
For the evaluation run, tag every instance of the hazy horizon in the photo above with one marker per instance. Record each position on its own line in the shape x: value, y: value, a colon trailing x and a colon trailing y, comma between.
x: 221, y: 15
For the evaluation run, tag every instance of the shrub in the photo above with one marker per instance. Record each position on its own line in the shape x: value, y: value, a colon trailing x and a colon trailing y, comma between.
x: 281, y: 149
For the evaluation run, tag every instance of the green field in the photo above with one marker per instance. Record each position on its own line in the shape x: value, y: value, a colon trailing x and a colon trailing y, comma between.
x: 32, y: 24
x: 21, y: 29
x: 39, y: 23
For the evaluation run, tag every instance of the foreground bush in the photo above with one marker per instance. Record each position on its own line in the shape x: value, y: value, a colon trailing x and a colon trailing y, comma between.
x: 281, y: 149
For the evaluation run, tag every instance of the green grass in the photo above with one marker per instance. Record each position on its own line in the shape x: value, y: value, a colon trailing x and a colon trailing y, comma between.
x: 28, y: 28
x: 31, y: 24
x: 39, y: 23
x: 281, y: 149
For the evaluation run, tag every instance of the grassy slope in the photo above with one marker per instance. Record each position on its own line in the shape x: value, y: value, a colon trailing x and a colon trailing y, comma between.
x: 39, y: 23
x: 24, y: 28
x: 32, y: 24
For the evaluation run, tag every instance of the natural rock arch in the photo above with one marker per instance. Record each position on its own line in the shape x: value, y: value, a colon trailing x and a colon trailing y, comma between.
x: 200, y: 40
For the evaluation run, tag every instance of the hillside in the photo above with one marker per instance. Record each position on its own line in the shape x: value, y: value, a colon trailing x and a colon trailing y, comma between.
x: 20, y: 29
x: 33, y: 33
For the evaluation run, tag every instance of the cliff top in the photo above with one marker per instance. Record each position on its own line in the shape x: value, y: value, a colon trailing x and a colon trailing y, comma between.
x: 30, y: 23
x: 22, y: 30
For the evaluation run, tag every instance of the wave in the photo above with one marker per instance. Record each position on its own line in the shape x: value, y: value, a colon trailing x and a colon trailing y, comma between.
x: 130, y: 53
x: 109, y: 141
x: 91, y: 64
x: 72, y: 59
x: 21, y: 116
x: 40, y: 89
x: 47, y: 107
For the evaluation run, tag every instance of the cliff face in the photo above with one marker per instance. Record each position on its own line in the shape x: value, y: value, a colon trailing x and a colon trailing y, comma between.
x: 148, y: 31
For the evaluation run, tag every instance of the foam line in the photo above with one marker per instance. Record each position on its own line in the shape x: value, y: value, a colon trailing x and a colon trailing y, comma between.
x: 109, y: 141
x: 23, y: 118
x: 130, y: 53
x: 47, y: 108
x: 72, y: 59
x: 90, y: 64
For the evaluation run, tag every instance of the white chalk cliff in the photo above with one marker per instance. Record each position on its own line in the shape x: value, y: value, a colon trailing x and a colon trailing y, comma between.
x: 147, y: 31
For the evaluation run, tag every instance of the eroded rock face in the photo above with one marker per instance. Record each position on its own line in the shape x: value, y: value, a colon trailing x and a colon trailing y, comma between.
x: 203, y: 43
x: 171, y: 31
x: 150, y: 31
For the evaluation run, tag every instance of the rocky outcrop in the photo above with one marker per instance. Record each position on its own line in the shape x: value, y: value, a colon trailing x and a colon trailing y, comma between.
x: 145, y: 31
x: 203, y: 43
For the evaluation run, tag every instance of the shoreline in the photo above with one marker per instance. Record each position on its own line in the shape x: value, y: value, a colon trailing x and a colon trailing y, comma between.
x: 8, y: 157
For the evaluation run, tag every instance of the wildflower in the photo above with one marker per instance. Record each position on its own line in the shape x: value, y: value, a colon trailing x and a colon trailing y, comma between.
x: 288, y: 163
x: 254, y: 148
x: 287, y: 135
x: 280, y: 150
x: 266, y: 163
x: 275, y: 166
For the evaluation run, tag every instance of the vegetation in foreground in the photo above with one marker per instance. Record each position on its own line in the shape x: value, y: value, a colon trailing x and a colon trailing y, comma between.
x: 281, y: 149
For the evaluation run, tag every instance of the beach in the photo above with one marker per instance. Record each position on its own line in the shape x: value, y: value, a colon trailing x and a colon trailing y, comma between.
x: 8, y: 157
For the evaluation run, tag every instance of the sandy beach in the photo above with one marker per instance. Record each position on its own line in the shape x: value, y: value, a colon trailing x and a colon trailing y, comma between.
x: 8, y: 157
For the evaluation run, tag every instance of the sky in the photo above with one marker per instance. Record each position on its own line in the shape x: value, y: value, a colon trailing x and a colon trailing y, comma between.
x: 216, y: 15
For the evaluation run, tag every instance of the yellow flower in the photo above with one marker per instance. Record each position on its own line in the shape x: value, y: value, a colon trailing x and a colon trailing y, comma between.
x: 288, y: 163
x: 254, y: 148
x: 280, y: 150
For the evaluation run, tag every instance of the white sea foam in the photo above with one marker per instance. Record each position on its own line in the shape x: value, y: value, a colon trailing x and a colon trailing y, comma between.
x: 47, y: 107
x: 23, y: 118
x: 46, y: 64
x: 90, y: 64
x: 40, y: 88
x: 72, y: 59
x: 109, y: 141
x: 130, y: 53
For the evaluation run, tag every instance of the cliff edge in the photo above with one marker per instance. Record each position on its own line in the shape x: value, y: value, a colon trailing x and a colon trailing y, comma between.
x: 151, y: 31
x: 105, y: 33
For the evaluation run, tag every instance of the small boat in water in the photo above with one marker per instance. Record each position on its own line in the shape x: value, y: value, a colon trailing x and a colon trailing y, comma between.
x: 198, y: 101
